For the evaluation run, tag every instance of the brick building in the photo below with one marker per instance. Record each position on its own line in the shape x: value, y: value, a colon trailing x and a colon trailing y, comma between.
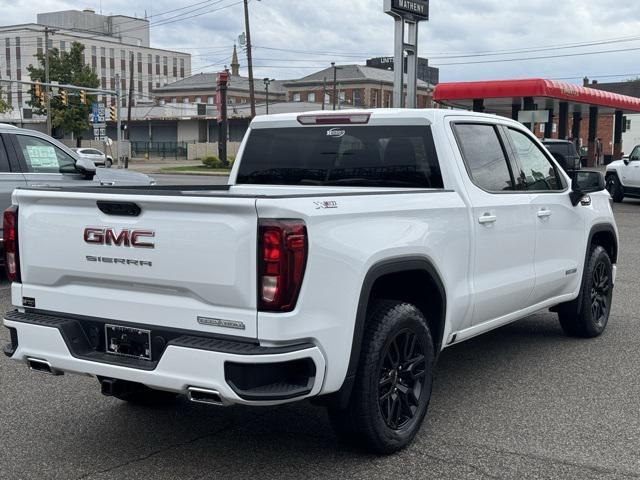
x: 357, y: 86
x: 201, y: 88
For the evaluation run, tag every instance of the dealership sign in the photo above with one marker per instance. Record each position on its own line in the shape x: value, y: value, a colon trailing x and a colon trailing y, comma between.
x: 412, y: 9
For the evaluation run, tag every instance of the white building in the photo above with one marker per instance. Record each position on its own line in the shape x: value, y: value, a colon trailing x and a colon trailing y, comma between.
x: 110, y: 42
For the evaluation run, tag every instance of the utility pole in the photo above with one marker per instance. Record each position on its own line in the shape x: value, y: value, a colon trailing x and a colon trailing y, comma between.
x: 47, y: 94
x: 252, y: 92
x: 118, y: 119
x: 223, y: 81
x: 130, y: 101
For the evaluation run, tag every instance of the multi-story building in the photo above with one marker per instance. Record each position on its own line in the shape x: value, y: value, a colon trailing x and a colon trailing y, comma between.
x: 111, y: 43
x: 355, y: 86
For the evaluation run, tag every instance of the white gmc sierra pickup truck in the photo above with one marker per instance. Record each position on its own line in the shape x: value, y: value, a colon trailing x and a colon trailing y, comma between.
x: 348, y: 250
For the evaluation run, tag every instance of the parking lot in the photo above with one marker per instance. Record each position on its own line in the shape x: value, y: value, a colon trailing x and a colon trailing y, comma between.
x: 521, y: 402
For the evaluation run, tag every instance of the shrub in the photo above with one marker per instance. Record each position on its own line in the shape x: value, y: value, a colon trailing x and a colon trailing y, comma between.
x: 212, y: 162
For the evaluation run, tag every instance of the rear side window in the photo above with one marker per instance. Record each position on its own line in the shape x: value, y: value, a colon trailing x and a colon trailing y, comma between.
x: 342, y: 156
x: 484, y: 156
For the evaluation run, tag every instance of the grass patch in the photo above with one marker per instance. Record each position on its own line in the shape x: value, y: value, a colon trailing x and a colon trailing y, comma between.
x: 195, y: 169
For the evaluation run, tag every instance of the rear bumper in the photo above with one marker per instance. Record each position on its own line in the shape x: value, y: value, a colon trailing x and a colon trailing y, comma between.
x: 242, y: 373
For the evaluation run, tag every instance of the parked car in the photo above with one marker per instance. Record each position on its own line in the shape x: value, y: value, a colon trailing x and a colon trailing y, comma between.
x: 348, y: 250
x: 33, y: 159
x: 565, y: 153
x: 101, y: 159
x: 623, y: 177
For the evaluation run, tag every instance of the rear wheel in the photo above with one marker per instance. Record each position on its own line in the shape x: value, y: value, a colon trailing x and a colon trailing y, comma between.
x: 108, y: 163
x: 615, y: 188
x: 393, y: 384
x: 588, y: 315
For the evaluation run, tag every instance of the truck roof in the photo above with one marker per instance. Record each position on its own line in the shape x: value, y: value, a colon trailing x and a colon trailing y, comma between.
x: 432, y: 115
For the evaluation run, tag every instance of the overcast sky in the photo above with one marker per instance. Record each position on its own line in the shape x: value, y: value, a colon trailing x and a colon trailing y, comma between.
x: 349, y: 31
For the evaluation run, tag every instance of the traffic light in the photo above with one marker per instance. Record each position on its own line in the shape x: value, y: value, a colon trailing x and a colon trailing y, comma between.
x: 64, y: 98
x: 83, y: 97
x: 113, y: 113
x: 38, y: 93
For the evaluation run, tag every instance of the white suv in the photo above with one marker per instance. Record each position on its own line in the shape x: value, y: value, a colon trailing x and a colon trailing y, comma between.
x: 623, y: 177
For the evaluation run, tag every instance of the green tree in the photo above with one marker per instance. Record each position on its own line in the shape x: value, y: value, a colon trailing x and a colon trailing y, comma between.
x: 5, y: 105
x: 65, y: 68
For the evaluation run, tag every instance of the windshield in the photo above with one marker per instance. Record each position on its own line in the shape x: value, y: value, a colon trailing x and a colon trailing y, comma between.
x: 345, y: 156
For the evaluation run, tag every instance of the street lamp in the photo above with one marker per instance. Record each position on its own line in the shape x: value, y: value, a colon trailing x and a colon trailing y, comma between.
x: 267, y: 82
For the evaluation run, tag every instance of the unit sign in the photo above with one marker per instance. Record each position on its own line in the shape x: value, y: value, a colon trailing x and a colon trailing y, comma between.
x: 418, y: 8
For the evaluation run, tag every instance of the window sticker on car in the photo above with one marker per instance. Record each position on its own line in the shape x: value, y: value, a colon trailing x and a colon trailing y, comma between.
x: 40, y: 156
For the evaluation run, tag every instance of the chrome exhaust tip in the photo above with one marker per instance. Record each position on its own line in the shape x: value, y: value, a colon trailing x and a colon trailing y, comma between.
x: 42, y: 366
x: 206, y: 396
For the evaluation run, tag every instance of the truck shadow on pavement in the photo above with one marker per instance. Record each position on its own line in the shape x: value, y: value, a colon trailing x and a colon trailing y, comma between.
x: 193, y: 441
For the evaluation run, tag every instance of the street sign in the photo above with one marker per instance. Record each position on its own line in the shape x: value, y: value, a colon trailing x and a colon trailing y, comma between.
x: 97, y: 113
x: 415, y: 10
x: 533, y: 116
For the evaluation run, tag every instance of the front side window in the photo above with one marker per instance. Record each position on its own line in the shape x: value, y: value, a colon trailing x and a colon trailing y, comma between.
x: 484, y: 156
x: 538, y: 173
x: 389, y: 156
x: 41, y: 156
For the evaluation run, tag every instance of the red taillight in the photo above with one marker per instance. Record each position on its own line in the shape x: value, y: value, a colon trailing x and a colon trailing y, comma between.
x: 10, y: 240
x: 282, y: 257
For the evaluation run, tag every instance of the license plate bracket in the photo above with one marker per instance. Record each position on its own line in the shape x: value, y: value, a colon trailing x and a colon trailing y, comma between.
x: 128, y: 342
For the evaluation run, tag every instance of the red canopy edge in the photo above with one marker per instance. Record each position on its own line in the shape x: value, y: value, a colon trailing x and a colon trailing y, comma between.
x: 535, y: 87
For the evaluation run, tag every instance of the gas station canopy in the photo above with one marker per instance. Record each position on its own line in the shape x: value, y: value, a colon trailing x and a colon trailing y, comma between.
x: 498, y: 96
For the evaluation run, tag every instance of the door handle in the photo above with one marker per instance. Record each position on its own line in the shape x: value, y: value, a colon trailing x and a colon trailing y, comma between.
x: 487, y: 219
x: 544, y: 213
x: 107, y: 184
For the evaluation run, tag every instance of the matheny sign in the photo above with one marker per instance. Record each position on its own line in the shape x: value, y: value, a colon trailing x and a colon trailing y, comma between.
x: 418, y: 9
x: 407, y: 14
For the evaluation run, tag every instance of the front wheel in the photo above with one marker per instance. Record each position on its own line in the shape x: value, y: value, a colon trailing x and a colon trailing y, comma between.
x: 393, y: 384
x: 615, y: 188
x: 588, y: 315
x: 108, y: 163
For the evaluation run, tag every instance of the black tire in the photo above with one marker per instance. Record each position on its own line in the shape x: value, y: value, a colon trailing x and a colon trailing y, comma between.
x: 615, y: 188
x: 392, y: 388
x: 588, y: 315
x: 108, y: 163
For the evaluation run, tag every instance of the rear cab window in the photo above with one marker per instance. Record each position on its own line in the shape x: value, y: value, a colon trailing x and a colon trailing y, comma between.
x: 375, y: 156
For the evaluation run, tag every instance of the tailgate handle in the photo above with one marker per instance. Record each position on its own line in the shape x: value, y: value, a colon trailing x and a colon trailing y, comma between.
x: 122, y: 209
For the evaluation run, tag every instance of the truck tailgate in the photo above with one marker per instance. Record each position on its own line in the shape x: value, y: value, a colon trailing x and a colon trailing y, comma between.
x: 194, y: 266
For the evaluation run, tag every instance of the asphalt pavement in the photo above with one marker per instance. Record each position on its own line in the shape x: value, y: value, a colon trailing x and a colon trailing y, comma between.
x: 521, y: 402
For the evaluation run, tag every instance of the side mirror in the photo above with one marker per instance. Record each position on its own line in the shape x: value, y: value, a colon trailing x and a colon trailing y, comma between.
x: 86, y: 167
x: 585, y: 182
x: 625, y: 159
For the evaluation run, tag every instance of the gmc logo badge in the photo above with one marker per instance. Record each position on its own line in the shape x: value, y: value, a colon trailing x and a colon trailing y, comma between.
x: 124, y: 238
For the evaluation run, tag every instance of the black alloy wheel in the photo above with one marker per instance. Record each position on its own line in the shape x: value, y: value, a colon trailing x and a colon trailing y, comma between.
x: 600, y: 294
x: 402, y: 378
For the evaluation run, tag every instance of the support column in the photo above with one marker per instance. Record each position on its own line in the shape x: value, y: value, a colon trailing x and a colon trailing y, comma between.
x: 617, y: 135
x: 563, y: 120
x: 478, y: 105
x: 515, y: 110
x: 575, y: 128
x: 528, y: 106
x: 593, y: 134
x: 548, y: 127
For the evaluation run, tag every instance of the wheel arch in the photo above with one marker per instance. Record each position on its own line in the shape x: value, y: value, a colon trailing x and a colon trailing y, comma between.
x: 604, y: 234
x: 413, y: 271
